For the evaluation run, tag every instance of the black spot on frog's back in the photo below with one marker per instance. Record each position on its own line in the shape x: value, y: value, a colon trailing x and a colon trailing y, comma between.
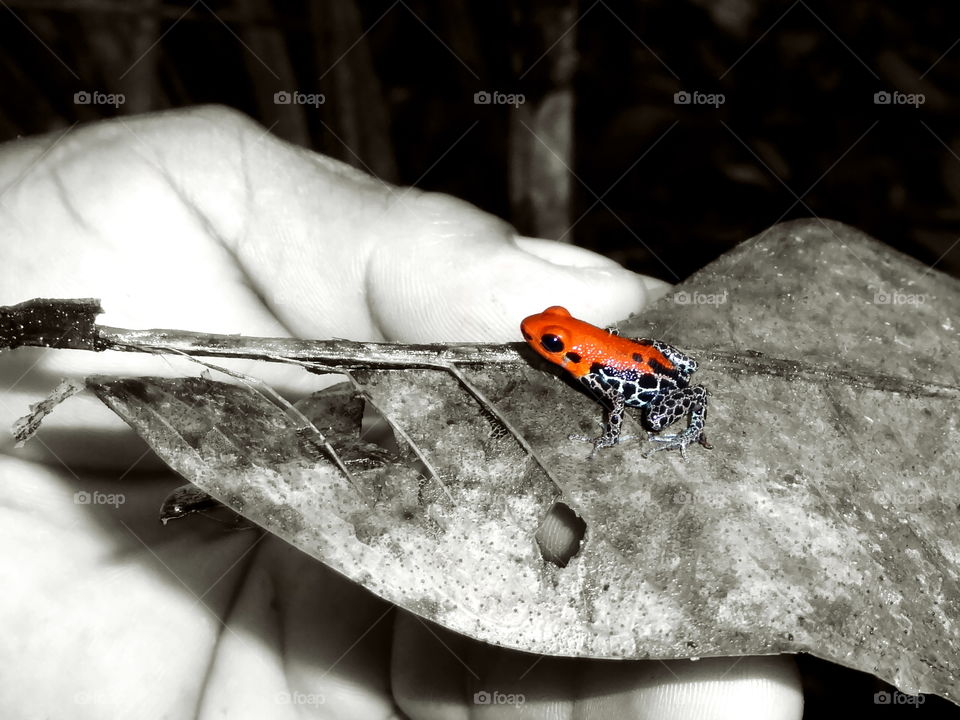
x: 662, y: 369
x: 647, y: 381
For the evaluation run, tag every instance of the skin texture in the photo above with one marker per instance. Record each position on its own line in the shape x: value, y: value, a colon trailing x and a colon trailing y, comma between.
x: 200, y: 220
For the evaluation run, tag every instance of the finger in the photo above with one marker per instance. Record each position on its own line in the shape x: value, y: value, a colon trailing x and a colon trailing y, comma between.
x: 134, y: 212
x: 432, y: 268
x: 308, y: 642
x: 573, y: 256
x: 332, y: 251
x: 440, y: 674
x: 454, y: 274
x: 400, y: 264
x: 201, y: 220
x: 745, y: 688
x: 95, y: 578
x: 197, y: 220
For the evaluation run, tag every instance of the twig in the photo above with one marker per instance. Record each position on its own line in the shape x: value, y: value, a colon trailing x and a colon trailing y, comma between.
x: 71, y: 324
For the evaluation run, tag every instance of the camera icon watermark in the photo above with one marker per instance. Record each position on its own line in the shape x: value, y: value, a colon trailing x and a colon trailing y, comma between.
x: 484, y: 697
x: 85, y: 97
x: 897, y: 698
x: 696, y: 97
x: 498, y: 98
x: 285, y: 97
x: 896, y: 97
x: 83, y: 497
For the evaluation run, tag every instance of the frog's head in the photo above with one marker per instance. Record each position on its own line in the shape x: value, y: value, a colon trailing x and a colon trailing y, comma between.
x: 549, y: 333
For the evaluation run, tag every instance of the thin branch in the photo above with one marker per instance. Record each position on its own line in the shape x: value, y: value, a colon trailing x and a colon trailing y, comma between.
x: 71, y: 324
x: 333, y: 354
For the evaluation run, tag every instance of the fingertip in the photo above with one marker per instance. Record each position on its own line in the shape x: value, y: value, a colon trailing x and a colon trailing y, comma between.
x: 601, y: 296
x: 478, y: 286
x: 765, y: 687
x: 564, y: 254
x: 656, y: 288
x: 601, y: 290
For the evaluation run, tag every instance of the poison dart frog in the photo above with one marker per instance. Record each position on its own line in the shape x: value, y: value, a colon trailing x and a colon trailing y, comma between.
x: 622, y: 373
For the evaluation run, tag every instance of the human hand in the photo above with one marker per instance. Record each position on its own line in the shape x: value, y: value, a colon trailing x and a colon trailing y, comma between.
x: 199, y: 220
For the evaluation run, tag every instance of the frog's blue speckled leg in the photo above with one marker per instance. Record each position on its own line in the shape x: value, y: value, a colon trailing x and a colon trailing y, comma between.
x: 666, y: 409
x: 614, y: 424
x: 685, y: 364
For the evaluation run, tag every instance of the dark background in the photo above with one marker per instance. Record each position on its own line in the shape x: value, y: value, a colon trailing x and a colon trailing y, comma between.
x: 686, y: 182
x: 598, y: 154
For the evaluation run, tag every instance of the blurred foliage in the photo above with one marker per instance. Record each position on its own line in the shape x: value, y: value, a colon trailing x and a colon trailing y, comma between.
x: 662, y: 187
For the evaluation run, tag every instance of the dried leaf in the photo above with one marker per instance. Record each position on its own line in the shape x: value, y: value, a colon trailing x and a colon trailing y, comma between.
x: 824, y: 521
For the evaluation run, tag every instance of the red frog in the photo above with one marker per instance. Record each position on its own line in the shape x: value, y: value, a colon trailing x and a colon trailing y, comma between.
x: 622, y: 373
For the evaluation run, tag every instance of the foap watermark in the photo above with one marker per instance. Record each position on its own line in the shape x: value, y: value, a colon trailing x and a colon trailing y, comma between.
x: 498, y: 98
x: 484, y: 697
x: 683, y: 297
x: 285, y: 97
x: 84, y: 497
x: 95, y: 697
x: 685, y: 497
x: 301, y: 698
x: 897, y: 698
x: 898, y: 297
x: 285, y: 298
x: 685, y: 97
x: 913, y: 499
x: 902, y: 498
x: 896, y: 97
x: 85, y: 97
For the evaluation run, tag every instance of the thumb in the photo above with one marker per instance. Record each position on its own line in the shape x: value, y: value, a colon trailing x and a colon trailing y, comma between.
x: 454, y: 273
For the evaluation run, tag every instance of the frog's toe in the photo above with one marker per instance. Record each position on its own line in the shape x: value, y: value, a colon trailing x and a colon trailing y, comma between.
x: 601, y: 442
x: 597, y: 442
x: 665, y: 446
x: 653, y: 437
x: 678, y: 441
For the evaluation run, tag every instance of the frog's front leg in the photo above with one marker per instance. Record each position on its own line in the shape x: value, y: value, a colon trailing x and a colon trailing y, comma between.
x: 614, y: 422
x: 667, y: 408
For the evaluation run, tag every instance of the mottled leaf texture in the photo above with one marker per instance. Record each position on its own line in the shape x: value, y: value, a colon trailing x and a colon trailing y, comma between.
x: 825, y: 520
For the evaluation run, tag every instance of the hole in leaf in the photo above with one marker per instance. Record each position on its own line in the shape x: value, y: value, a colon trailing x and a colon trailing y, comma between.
x: 560, y: 534
x: 376, y: 429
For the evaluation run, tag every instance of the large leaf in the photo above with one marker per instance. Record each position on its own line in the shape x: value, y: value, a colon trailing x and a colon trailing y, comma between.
x: 824, y: 520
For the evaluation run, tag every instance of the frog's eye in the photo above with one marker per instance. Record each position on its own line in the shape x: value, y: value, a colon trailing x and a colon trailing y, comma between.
x: 551, y: 343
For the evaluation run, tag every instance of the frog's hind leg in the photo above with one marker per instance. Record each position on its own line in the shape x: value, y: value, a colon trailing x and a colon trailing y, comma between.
x: 667, y: 408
